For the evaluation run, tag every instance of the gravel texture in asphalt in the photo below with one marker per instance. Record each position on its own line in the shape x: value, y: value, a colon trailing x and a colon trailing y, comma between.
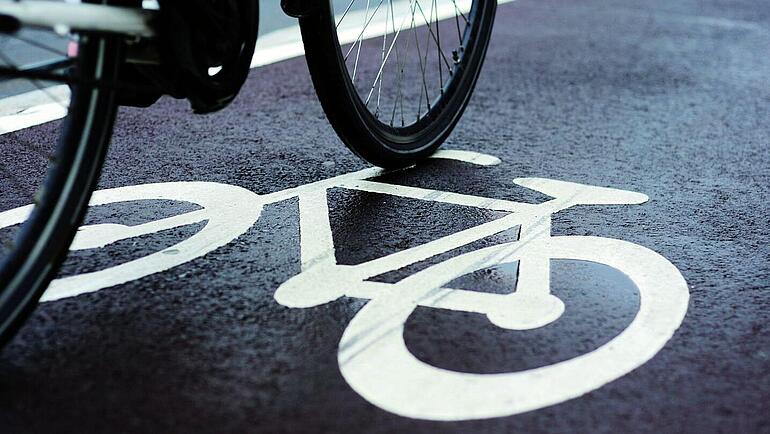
x: 671, y: 99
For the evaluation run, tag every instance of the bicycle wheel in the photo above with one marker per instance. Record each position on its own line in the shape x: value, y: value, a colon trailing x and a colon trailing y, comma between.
x: 54, y: 166
x: 394, y: 76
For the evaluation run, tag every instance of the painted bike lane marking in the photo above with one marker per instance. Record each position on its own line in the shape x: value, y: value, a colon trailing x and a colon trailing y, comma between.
x: 372, y: 355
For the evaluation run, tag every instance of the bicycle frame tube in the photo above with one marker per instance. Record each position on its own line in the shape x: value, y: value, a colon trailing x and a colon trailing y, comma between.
x: 80, y: 16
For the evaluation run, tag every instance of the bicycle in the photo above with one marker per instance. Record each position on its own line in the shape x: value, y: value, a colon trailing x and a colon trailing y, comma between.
x: 106, y: 53
x: 372, y: 354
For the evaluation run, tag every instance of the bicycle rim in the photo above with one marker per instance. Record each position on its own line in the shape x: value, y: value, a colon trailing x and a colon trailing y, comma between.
x: 394, y: 76
x: 53, y: 168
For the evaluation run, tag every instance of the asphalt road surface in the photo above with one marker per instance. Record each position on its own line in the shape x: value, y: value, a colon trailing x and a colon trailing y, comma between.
x: 669, y: 99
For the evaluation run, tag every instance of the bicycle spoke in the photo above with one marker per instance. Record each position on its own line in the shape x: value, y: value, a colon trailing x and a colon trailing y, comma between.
x: 425, y: 61
x: 13, y: 67
x: 358, y: 52
x: 459, y: 11
x: 422, y: 69
x: 438, y: 47
x: 457, y: 23
x: 37, y: 44
x: 344, y: 13
x: 399, y: 72
x: 361, y: 35
x: 382, y: 59
x: 427, y: 44
x: 382, y: 65
x: 430, y: 29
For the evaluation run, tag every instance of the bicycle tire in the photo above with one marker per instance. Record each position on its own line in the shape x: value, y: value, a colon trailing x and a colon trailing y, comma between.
x: 42, y: 241
x: 380, y: 142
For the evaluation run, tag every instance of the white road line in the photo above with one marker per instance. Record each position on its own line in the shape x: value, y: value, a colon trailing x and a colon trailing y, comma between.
x: 317, y: 247
x: 436, y: 196
x: 33, y: 108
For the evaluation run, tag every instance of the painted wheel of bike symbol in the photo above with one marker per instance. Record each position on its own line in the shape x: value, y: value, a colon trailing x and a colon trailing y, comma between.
x: 375, y: 361
x: 228, y: 211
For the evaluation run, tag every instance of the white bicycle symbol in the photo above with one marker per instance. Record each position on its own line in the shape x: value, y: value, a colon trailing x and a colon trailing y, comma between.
x: 372, y: 355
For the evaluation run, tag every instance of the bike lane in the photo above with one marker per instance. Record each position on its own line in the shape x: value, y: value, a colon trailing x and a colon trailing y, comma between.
x: 587, y: 93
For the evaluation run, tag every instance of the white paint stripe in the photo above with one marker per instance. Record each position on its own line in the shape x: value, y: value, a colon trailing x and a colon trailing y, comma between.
x: 471, y: 157
x: 402, y: 258
x: 317, y: 245
x: 437, y: 196
x: 100, y: 235
x: 35, y: 107
x: 229, y: 211
x: 444, y: 298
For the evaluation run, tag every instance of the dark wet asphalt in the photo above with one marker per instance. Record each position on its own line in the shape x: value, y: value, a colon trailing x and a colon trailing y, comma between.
x: 671, y: 99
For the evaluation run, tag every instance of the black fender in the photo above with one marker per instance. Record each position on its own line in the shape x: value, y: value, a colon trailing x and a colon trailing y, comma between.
x: 195, y: 35
x: 299, y: 8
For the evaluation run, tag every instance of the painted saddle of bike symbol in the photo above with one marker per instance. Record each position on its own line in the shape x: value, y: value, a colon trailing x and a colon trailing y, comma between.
x: 372, y: 354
